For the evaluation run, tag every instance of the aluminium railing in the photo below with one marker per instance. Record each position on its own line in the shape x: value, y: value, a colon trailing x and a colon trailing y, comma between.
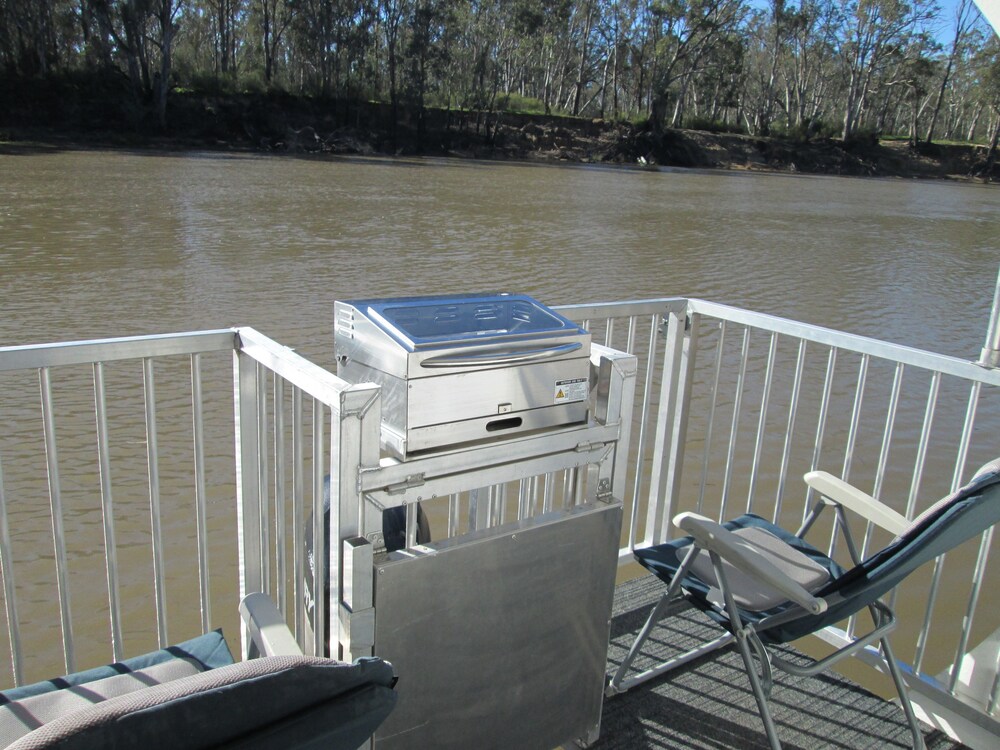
x: 736, y: 406
x: 131, y: 449
x: 732, y: 407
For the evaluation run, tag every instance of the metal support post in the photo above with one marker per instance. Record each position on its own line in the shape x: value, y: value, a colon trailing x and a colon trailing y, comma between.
x: 990, y: 356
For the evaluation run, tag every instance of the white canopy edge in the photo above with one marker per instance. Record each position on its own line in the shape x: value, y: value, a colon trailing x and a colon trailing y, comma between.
x: 991, y: 12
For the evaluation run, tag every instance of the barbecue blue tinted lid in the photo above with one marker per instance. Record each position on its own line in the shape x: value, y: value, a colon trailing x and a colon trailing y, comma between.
x: 438, y: 321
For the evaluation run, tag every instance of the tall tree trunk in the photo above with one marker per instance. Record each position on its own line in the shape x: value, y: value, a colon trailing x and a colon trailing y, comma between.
x: 588, y: 23
x: 165, y: 17
x: 991, y: 155
x: 963, y: 15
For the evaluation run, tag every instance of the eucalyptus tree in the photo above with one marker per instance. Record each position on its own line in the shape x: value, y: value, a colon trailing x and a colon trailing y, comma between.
x: 685, y: 31
x: 989, y: 65
x: 432, y: 30
x: 874, y: 34
x: 29, y: 35
x: 223, y: 20
x: 965, y: 16
x: 271, y: 19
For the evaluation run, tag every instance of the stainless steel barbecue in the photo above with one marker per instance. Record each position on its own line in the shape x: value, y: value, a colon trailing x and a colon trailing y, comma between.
x: 460, y: 369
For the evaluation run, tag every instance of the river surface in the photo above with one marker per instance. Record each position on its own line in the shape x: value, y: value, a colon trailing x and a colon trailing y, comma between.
x: 97, y: 244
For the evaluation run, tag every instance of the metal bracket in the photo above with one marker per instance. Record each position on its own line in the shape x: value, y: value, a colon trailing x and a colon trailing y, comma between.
x: 377, y: 541
x: 589, y: 447
x: 411, y: 481
x: 357, y: 629
x: 604, y: 490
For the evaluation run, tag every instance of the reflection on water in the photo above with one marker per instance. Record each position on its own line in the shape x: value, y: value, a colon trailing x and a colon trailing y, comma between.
x: 105, y: 244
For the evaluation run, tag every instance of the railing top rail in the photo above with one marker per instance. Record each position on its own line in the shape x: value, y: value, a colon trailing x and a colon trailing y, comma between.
x: 942, y: 363
x: 106, y: 350
x: 299, y: 371
x: 907, y: 355
x: 598, y: 310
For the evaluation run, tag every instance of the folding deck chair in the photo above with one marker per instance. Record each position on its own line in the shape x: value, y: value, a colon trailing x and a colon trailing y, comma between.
x: 767, y: 586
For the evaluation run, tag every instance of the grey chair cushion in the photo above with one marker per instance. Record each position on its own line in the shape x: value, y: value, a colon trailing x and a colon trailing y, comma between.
x: 17, y: 718
x: 280, y: 701
x: 749, y: 592
x: 208, y: 650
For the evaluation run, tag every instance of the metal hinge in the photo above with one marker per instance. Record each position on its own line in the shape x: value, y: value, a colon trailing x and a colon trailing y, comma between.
x: 414, y: 480
x: 589, y: 447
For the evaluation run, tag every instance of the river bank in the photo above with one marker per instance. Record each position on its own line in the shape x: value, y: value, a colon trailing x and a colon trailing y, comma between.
x: 286, y: 124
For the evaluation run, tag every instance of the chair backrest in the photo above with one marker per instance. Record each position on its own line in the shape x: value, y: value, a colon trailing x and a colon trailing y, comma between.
x: 954, y: 519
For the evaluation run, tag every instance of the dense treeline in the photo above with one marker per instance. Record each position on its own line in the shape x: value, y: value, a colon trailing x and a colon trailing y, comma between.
x: 802, y: 67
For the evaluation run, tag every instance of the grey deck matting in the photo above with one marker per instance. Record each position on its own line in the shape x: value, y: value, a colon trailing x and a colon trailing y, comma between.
x: 708, y: 703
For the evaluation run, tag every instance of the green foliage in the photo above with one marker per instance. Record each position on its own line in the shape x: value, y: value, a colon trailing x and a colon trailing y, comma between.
x: 806, y: 130
x: 210, y: 84
x: 713, y: 126
x: 518, y: 103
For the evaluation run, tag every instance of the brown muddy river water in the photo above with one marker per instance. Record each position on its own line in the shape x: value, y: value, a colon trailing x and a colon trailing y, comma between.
x: 97, y: 244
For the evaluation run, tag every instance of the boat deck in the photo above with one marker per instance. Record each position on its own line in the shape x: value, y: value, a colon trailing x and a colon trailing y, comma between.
x: 708, y: 703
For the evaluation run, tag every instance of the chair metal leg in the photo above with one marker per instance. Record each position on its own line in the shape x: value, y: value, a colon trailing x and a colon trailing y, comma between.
x: 759, y: 693
x: 904, y: 696
x: 618, y: 683
x: 615, y: 685
x: 745, y: 637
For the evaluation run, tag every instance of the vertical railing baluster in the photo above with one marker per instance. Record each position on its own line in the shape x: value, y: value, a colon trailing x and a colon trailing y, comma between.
x: 499, y: 509
x: 852, y: 437
x: 454, y: 511
x: 883, y: 461
x: 883, y: 456
x: 630, y: 337
x: 280, y: 551
x: 200, y: 495
x: 735, y: 426
x: 670, y: 426
x: 922, y: 445
x: 824, y: 408
x: 762, y: 422
x: 918, y: 464
x: 479, y: 509
x: 548, y: 492
x: 107, y: 513
x: 58, y: 533
x: 571, y: 478
x: 9, y: 595
x: 640, y: 449
x: 609, y: 332
x: 855, y: 424
x: 412, y: 516
x: 265, y: 495
x: 523, y: 499
x: 318, y: 527
x: 152, y: 461
x: 298, y: 516
x: 710, y: 427
x: 793, y: 406
x: 956, y: 482
x: 978, y: 573
x: 247, y: 476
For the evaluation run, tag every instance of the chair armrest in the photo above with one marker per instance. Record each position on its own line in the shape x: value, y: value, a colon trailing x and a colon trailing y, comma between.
x: 841, y: 493
x: 716, y: 538
x: 267, y: 627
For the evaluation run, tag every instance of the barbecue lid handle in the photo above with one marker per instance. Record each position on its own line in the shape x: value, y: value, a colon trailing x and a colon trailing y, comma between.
x: 504, y: 357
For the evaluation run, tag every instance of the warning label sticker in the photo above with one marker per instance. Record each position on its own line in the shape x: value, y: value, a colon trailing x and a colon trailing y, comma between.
x: 568, y: 391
